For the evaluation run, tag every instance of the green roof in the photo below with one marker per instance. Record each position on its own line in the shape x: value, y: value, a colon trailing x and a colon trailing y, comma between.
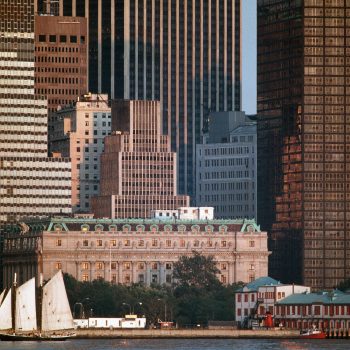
x: 262, y: 281
x: 334, y: 297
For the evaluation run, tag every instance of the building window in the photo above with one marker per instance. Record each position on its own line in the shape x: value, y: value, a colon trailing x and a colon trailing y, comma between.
x: 154, y: 242
x: 73, y: 38
x: 223, y: 243
x: 141, y: 266
x: 85, y: 265
x: 85, y: 243
x: 168, y: 243
x: 141, y: 243
x: 154, y: 266
x: 251, y: 243
x: 99, y: 265
x: 182, y: 243
x: 223, y: 267
x: 85, y: 277
x: 113, y: 243
x: 154, y: 278
x: 113, y: 266
x: 52, y: 38
x: 127, y: 243
x: 58, y: 266
x: 42, y: 38
x: 168, y: 278
x: 141, y: 278
x: 114, y: 278
x: 99, y: 242
x: 58, y: 242
x: 239, y: 312
x: 251, y: 278
x: 223, y: 279
x: 168, y: 266
x: 251, y: 267
x: 127, y: 266
x: 127, y: 279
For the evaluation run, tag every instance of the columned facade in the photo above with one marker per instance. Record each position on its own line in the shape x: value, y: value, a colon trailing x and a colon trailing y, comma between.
x: 135, y: 251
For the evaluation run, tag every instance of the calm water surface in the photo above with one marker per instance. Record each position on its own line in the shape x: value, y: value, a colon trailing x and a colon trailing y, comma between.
x: 181, y: 344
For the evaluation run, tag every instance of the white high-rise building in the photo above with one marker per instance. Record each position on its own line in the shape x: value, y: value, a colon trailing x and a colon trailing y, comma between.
x: 78, y: 132
x: 226, y: 166
x: 31, y: 184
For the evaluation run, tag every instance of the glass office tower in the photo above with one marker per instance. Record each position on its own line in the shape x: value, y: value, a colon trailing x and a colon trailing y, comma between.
x: 304, y: 138
x: 185, y: 53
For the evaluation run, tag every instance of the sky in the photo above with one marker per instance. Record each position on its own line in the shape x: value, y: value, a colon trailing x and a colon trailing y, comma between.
x: 249, y: 56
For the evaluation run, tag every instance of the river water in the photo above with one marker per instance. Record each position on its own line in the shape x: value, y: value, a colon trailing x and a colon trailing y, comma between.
x: 181, y: 344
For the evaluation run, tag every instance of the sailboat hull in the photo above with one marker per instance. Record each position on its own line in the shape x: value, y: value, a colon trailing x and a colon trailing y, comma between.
x: 36, y: 337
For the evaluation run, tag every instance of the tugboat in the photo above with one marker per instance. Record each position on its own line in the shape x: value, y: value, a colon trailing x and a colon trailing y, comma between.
x: 313, y: 333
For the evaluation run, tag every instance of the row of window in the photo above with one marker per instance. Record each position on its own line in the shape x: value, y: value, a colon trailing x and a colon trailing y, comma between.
x: 73, y: 39
x: 154, y: 243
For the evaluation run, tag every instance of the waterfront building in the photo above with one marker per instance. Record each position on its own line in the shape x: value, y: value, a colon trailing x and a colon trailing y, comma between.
x: 78, y: 132
x: 260, y: 296
x: 132, y: 251
x: 226, y: 166
x: 187, y: 54
x: 326, y: 310
x: 31, y: 184
x: 185, y: 213
x: 60, y: 59
x: 138, y: 170
x: 303, y: 139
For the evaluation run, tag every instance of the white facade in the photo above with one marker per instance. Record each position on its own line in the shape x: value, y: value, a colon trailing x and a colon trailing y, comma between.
x: 185, y: 213
x: 226, y: 173
x: 263, y: 298
x: 78, y: 132
x: 104, y: 322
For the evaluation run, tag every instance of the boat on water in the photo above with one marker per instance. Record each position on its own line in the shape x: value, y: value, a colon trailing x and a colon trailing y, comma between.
x: 24, y: 315
x: 313, y: 333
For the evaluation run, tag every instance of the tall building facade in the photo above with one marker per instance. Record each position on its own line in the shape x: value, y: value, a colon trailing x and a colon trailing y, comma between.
x: 185, y: 53
x: 60, y: 59
x: 78, y: 132
x: 30, y: 183
x: 304, y: 138
x: 138, y: 170
x: 226, y: 166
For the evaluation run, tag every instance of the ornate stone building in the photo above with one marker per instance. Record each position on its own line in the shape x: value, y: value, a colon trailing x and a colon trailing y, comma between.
x: 132, y: 251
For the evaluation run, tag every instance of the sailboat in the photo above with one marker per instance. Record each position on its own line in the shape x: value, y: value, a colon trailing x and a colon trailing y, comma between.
x: 25, y: 316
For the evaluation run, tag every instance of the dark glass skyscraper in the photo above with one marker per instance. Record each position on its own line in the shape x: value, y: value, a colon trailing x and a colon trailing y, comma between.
x: 304, y: 138
x: 185, y: 53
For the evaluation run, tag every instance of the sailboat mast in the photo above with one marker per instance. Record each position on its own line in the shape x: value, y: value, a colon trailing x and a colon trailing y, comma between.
x: 13, y: 308
x: 40, y: 305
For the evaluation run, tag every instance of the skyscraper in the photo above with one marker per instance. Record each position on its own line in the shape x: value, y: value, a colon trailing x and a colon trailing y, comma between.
x: 185, y: 53
x: 138, y: 170
x: 304, y: 138
x: 30, y: 183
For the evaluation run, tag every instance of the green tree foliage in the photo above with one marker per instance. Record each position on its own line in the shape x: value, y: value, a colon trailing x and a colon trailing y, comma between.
x: 197, y: 271
x: 195, y: 298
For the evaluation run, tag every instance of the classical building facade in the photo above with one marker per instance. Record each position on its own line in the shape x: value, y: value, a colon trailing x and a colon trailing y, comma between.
x: 60, y: 59
x: 304, y: 139
x: 78, y: 132
x: 31, y: 184
x: 138, y: 170
x: 185, y: 53
x: 226, y: 166
x: 132, y: 251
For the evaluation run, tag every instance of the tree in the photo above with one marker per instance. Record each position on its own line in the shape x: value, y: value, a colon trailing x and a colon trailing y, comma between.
x: 197, y: 270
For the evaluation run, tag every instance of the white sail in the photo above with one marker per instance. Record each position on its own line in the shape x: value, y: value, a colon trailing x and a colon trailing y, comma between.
x: 56, y: 313
x: 2, y: 296
x: 26, y: 307
x: 5, y: 312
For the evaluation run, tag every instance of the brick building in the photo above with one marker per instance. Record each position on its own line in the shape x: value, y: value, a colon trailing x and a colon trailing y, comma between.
x: 60, y: 59
x: 138, y: 170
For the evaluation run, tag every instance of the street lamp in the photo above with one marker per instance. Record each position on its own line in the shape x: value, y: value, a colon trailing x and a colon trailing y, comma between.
x: 132, y: 308
x: 81, y: 305
x: 165, y: 308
